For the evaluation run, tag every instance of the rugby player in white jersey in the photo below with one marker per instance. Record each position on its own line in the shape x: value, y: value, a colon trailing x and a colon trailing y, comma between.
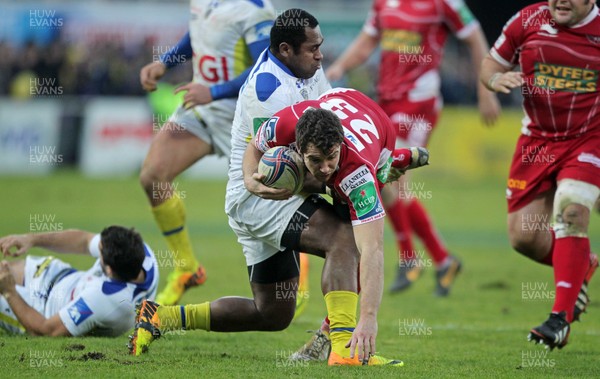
x: 45, y: 296
x: 272, y: 225
x: 225, y: 38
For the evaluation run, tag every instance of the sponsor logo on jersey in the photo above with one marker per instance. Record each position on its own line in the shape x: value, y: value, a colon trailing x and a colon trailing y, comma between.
x: 79, y: 311
x: 517, y: 184
x: 400, y: 40
x: 365, y: 200
x: 355, y: 179
x: 565, y: 78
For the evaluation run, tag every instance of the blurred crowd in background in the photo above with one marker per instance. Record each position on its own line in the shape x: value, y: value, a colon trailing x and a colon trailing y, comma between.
x: 107, y: 67
x: 93, y: 49
x: 111, y: 67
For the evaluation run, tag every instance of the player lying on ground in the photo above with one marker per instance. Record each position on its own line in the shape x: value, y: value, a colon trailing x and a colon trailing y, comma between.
x: 45, y: 296
x: 354, y: 158
x: 555, y: 172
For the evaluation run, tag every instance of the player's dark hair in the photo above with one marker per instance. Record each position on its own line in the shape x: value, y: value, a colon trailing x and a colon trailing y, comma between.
x: 123, y: 251
x: 290, y: 27
x: 320, y: 127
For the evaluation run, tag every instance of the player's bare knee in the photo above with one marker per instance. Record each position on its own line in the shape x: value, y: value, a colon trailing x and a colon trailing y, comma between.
x: 573, y: 202
x: 342, y: 242
x: 151, y: 177
x: 523, y: 243
x: 277, y: 318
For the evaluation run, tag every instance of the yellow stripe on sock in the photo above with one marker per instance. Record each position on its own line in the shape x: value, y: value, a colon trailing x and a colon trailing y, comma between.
x: 196, y: 316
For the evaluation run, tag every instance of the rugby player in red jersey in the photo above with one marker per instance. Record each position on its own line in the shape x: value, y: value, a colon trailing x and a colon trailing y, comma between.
x: 347, y: 143
x: 412, y: 36
x: 555, y: 172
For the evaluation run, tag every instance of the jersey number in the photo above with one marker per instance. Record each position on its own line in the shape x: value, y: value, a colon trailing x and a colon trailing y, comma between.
x: 361, y: 126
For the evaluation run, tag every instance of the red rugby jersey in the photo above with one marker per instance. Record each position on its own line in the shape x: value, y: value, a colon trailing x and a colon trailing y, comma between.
x: 560, y: 66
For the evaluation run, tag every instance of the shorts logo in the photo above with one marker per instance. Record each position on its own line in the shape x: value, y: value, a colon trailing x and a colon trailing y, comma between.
x: 42, y: 267
x: 79, y: 311
x: 364, y: 199
x: 517, y: 184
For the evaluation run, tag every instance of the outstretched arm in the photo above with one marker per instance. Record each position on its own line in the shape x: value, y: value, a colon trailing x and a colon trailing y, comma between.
x: 369, y: 240
x: 71, y: 241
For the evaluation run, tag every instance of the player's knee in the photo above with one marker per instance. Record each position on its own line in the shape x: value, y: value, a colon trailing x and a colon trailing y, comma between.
x: 342, y: 242
x: 573, y: 202
x: 150, y: 175
x: 278, y: 319
x: 523, y: 243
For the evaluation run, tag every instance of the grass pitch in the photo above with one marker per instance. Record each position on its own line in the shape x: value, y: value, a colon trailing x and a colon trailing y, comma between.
x: 479, y: 331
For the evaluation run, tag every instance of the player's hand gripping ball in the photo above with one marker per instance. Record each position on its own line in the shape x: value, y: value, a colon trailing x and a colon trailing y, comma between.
x: 282, y: 168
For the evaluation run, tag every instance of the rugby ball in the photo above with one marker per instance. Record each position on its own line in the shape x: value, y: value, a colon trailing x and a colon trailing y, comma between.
x: 282, y: 168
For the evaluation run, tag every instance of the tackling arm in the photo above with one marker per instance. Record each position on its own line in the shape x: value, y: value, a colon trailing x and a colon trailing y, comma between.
x: 253, y: 180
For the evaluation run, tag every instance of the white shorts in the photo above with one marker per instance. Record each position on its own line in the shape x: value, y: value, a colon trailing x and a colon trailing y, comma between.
x: 41, y: 273
x: 212, y: 124
x: 258, y: 223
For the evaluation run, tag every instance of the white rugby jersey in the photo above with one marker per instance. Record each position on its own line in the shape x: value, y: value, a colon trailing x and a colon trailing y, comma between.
x: 89, y: 301
x: 270, y: 87
x: 220, y: 31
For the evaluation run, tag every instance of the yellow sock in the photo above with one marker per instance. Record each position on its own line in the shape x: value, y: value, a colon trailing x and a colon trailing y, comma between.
x: 170, y: 217
x: 341, y: 309
x: 189, y: 317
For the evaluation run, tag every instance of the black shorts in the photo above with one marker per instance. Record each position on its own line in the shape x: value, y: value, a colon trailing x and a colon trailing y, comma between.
x: 286, y: 264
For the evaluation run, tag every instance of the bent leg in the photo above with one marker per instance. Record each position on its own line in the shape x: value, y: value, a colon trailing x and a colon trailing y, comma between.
x: 173, y: 150
x: 573, y: 203
x: 529, y: 229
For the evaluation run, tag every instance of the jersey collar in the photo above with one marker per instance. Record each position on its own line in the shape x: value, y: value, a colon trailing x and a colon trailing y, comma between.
x: 279, y: 63
x: 589, y: 18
